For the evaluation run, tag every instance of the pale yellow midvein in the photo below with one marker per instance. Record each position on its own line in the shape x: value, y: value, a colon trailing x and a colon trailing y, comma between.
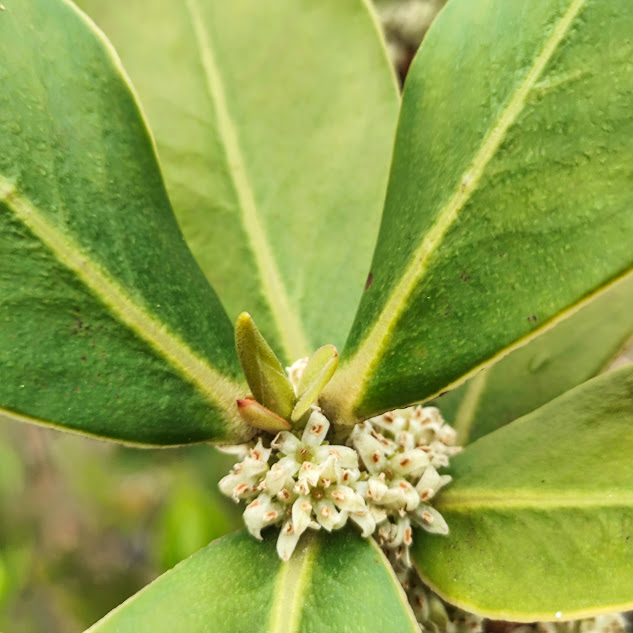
x: 352, y: 378
x: 290, y: 588
x: 217, y: 388
x: 288, y: 323
x: 533, y: 499
x: 468, y: 407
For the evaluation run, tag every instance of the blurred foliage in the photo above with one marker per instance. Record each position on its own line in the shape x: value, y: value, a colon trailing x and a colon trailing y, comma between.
x: 85, y: 524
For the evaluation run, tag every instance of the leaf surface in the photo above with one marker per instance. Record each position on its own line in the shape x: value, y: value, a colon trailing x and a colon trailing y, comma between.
x: 509, y: 199
x: 541, y: 512
x: 107, y: 324
x: 333, y: 582
x: 274, y: 124
x: 572, y: 352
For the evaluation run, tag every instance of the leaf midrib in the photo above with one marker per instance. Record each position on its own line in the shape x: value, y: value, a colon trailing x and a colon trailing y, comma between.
x: 533, y: 499
x: 287, y: 321
x: 217, y: 388
x: 291, y: 587
x: 354, y: 375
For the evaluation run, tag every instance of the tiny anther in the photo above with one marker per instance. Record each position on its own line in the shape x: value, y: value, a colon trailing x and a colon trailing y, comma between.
x: 408, y: 536
x: 427, y: 516
x: 288, y: 528
x: 375, y: 457
x: 426, y: 494
x: 283, y: 494
x: 306, y: 507
x: 405, y: 462
x: 253, y: 504
x: 338, y: 495
x: 271, y: 516
x: 303, y: 452
x: 335, y: 453
x: 256, y: 454
x: 317, y: 429
x: 388, y: 417
x: 240, y: 489
x: 405, y: 485
x: 389, y: 472
x: 325, y: 483
x: 325, y: 512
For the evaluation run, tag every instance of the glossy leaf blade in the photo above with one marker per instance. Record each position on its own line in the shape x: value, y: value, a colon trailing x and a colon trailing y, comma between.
x: 574, y: 351
x: 333, y: 582
x: 274, y: 125
x: 509, y: 200
x: 541, y: 512
x: 108, y: 325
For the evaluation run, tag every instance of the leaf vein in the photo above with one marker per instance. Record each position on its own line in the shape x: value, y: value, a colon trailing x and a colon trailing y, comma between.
x: 288, y: 323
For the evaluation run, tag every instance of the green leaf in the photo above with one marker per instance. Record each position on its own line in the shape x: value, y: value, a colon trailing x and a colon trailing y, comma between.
x: 333, y: 582
x: 108, y: 326
x: 316, y: 375
x: 264, y: 374
x: 541, y: 512
x: 509, y: 202
x: 572, y: 352
x: 274, y: 124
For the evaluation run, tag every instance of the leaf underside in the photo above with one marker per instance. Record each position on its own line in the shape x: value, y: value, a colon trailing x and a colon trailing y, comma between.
x: 274, y: 124
x: 108, y: 326
x: 509, y: 198
x: 333, y: 582
x: 574, y: 351
x: 541, y: 512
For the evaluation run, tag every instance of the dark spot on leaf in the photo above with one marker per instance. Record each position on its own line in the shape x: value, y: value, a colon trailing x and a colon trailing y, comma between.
x: 370, y: 278
x: 464, y: 276
x: 532, y: 319
x: 76, y: 310
x: 84, y: 358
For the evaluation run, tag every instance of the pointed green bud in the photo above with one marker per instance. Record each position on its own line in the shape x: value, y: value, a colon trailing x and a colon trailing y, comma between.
x: 260, y: 417
x: 316, y: 375
x: 262, y: 369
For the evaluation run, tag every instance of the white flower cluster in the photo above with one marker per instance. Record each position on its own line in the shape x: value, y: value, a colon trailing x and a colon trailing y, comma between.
x: 299, y: 483
x: 400, y: 453
x: 383, y: 481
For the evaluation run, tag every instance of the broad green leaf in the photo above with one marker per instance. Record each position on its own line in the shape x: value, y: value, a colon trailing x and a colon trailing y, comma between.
x: 333, y: 582
x: 572, y: 352
x: 264, y: 374
x: 510, y: 195
x: 108, y: 326
x: 541, y: 512
x: 274, y: 124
